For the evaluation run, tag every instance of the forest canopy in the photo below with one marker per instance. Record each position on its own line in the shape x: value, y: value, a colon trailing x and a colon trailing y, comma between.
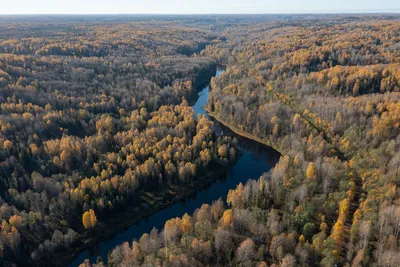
x: 325, y: 92
x: 95, y: 113
x: 92, y: 116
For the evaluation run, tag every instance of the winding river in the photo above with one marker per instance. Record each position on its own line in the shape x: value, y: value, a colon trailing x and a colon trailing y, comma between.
x: 255, y: 160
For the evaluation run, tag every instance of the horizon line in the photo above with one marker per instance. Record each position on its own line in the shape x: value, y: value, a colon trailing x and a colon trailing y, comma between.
x: 397, y: 11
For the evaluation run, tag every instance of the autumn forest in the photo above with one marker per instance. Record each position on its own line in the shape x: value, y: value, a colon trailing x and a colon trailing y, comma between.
x: 98, y: 132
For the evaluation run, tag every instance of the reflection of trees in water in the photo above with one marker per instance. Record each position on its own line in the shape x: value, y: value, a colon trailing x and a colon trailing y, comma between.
x: 258, y: 150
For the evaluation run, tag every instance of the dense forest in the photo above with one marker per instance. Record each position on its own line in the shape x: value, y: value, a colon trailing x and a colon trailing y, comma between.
x: 325, y: 92
x: 91, y: 116
x: 96, y: 125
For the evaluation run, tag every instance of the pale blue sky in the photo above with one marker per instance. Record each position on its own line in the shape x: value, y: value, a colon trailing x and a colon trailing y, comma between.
x: 194, y: 6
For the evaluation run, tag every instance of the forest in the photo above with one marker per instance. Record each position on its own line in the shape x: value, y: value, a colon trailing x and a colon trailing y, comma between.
x: 325, y: 93
x: 95, y: 112
x: 92, y: 115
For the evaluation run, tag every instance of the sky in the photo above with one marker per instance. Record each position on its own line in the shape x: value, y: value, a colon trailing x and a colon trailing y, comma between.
x: 195, y: 6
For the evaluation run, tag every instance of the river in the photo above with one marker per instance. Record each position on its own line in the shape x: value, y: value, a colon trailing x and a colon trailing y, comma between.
x: 255, y: 160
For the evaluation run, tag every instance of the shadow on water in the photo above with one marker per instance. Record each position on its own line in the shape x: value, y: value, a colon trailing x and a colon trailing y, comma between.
x: 255, y: 160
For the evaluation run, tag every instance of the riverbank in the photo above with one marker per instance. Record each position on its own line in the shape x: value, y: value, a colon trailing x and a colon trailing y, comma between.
x: 155, y: 198
x: 201, y: 80
x: 151, y: 199
x: 161, y: 200
x: 240, y: 132
x: 203, y: 76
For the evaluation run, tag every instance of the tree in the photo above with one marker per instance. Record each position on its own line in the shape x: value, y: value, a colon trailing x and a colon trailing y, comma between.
x: 89, y: 219
x: 227, y: 218
x: 205, y: 156
x: 311, y: 172
x: 201, y: 250
x: 172, y: 230
x: 170, y: 169
x: 7, y: 145
x: 223, y: 243
x: 288, y: 261
x: 246, y: 252
x: 16, y: 221
x: 277, y: 242
x: 223, y: 151
x: 364, y: 232
x: 187, y: 223
x: 235, y: 197
x: 309, y: 230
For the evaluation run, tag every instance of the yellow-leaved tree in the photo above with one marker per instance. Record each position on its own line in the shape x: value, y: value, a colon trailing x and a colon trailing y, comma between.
x: 89, y: 219
x: 187, y: 223
x: 227, y: 218
x: 311, y: 172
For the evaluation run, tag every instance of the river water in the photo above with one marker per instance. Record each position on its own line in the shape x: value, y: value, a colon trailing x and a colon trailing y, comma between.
x: 255, y: 160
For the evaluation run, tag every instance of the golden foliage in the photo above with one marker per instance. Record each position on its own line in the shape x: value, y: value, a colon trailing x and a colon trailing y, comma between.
x: 89, y: 219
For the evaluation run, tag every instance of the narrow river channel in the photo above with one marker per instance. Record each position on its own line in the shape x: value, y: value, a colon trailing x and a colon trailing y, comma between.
x: 255, y: 160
